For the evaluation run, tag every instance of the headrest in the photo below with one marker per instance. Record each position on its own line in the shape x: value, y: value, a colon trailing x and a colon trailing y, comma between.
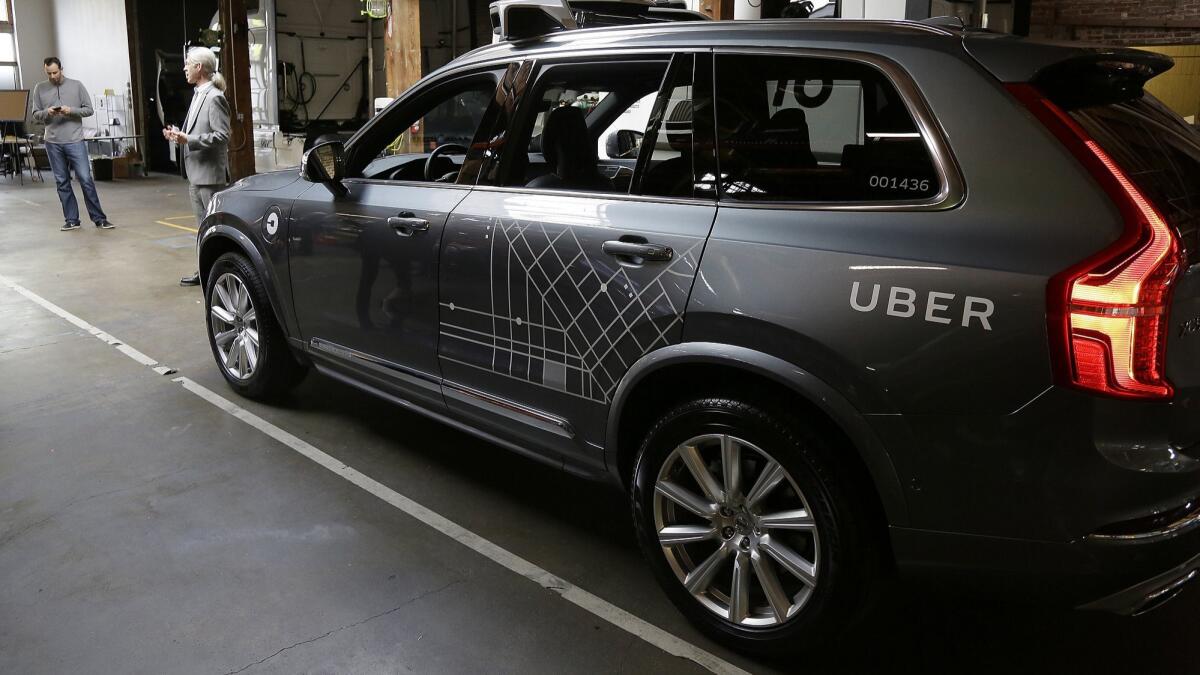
x: 788, y: 121
x: 783, y: 138
x: 565, y: 140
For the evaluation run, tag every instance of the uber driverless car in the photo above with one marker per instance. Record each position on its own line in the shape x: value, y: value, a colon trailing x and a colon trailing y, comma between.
x: 858, y: 297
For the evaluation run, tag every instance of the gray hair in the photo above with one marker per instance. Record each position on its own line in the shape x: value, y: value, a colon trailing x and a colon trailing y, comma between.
x: 207, y: 60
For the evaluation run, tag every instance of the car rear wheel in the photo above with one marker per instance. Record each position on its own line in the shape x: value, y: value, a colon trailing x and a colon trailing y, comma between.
x: 247, y: 342
x: 747, y: 524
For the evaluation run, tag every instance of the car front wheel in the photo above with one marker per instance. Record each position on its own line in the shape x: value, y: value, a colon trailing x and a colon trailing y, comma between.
x: 247, y: 342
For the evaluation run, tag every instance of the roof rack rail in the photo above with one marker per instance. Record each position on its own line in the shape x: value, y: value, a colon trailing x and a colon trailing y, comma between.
x: 517, y: 20
x: 952, y: 22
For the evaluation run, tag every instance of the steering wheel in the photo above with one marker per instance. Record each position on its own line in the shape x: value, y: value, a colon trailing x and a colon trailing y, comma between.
x: 438, y: 152
x: 815, y: 100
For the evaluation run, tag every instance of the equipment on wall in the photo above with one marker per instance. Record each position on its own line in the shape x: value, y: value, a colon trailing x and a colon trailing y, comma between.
x: 376, y: 9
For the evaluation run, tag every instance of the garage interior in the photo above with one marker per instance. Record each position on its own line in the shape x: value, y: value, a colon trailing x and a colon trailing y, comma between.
x: 151, y: 521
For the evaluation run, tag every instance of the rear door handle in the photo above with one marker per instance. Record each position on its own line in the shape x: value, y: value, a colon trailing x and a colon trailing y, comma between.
x: 405, y: 224
x: 629, y: 249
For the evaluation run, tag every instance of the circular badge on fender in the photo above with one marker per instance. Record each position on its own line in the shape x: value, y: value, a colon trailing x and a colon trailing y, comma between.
x: 271, y: 222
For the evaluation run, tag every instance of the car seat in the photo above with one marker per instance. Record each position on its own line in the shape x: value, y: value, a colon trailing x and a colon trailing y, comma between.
x: 568, y: 148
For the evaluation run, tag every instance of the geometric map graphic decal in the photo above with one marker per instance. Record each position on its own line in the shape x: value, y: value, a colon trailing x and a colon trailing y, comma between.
x: 562, y: 319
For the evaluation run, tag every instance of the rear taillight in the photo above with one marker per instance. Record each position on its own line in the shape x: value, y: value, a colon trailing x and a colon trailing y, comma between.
x: 1108, y: 314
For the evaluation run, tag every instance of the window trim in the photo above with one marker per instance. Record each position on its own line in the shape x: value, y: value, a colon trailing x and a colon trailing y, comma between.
x: 538, y: 58
x: 10, y: 28
x: 700, y: 136
x: 952, y: 190
x: 587, y: 56
x: 525, y: 117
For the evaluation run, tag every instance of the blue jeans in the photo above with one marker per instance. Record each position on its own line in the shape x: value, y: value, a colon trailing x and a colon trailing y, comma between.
x: 67, y: 157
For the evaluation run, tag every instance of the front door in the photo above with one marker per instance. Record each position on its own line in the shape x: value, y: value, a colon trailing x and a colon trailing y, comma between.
x: 364, y: 257
x: 556, y: 276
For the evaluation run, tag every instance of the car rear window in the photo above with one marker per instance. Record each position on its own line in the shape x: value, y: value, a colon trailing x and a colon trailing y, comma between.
x: 816, y: 130
x: 1158, y: 151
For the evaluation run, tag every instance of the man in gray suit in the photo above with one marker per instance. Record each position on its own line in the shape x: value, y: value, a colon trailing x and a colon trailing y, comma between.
x: 204, y: 138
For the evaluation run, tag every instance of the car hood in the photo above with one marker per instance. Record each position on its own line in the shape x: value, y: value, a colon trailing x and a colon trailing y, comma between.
x: 265, y: 182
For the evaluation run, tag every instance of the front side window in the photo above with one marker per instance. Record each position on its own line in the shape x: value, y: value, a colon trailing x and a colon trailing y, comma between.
x: 816, y: 130
x: 452, y: 120
x: 444, y: 122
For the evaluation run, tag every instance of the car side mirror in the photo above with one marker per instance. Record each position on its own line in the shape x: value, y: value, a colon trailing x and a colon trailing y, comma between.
x: 324, y: 163
x: 624, y: 144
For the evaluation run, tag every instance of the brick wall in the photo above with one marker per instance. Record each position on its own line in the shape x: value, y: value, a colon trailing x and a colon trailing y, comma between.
x: 1117, y: 22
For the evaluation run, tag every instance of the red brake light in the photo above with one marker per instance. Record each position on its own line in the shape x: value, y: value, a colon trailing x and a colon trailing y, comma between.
x: 1108, y: 314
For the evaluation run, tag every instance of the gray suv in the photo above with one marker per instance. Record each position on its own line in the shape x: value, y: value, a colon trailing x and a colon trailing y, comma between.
x: 829, y: 299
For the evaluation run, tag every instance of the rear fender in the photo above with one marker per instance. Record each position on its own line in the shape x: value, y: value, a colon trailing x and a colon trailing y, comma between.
x: 801, y: 382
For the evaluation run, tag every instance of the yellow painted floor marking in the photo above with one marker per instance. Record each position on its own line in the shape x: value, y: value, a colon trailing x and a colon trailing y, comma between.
x: 178, y: 227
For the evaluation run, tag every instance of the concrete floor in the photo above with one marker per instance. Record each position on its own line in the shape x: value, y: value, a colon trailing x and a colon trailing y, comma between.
x: 144, y: 530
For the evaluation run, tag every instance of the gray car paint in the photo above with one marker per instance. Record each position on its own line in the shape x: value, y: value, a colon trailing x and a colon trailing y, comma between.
x: 535, y: 254
x: 360, y: 282
x: 237, y: 225
x: 981, y: 458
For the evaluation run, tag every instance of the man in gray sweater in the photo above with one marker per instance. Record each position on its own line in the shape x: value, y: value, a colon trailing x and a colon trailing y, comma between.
x: 61, y: 104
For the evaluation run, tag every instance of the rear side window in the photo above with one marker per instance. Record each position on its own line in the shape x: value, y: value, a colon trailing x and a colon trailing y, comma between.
x: 816, y: 130
x: 1158, y: 151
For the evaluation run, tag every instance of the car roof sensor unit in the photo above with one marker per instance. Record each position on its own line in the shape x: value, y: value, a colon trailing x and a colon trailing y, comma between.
x: 517, y: 20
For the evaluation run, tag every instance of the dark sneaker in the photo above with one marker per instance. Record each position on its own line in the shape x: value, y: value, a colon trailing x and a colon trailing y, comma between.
x: 105, y: 225
x: 193, y: 280
x: 68, y: 227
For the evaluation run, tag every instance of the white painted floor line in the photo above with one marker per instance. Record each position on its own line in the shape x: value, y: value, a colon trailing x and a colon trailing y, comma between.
x: 62, y: 313
x: 570, y: 592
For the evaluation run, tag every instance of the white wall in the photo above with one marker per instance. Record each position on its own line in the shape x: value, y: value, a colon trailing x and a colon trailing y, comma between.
x: 747, y: 9
x: 884, y: 9
x: 93, y: 45
x: 34, y: 24
x: 851, y: 9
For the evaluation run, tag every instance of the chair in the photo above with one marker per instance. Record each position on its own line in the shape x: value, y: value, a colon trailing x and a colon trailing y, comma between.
x: 18, y: 156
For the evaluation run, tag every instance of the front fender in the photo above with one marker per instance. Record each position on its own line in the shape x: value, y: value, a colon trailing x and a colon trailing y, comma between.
x: 827, y: 399
x: 219, y: 236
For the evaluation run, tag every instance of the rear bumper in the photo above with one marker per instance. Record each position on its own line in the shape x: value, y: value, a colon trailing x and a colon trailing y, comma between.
x: 1156, y: 591
x: 1130, y: 574
x: 1150, y: 594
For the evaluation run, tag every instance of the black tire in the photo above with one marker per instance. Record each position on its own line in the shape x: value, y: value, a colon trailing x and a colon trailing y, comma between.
x: 276, y: 370
x: 848, y: 568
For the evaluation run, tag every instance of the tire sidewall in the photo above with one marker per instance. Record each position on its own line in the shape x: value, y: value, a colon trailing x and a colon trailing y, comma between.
x: 236, y: 264
x: 832, y: 599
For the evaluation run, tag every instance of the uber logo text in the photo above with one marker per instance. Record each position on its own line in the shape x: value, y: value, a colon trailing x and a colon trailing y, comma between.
x: 902, y: 302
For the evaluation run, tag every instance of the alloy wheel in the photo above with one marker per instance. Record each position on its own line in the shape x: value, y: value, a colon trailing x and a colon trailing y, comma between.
x: 234, y: 326
x: 736, y: 530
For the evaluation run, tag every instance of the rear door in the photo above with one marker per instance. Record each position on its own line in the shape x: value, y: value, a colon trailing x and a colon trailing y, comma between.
x: 554, y: 281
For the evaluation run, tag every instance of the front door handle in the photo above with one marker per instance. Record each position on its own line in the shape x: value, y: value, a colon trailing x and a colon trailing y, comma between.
x: 634, y: 250
x: 405, y: 224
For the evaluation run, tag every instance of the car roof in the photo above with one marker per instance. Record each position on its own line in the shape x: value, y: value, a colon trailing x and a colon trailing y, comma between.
x: 793, y: 33
x: 1009, y: 58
